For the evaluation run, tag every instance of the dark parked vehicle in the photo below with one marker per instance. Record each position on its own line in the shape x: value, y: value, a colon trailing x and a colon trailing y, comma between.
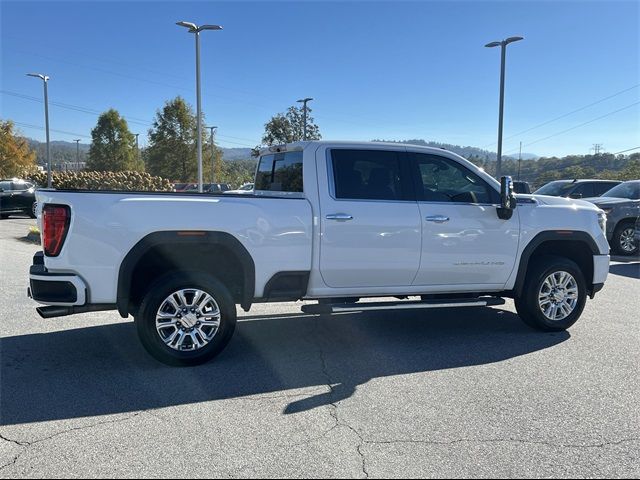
x: 521, y: 187
x: 622, y: 206
x: 17, y: 197
x: 576, y: 188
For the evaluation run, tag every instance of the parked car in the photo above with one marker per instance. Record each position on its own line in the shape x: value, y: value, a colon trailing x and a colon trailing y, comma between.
x: 215, y: 187
x: 327, y: 221
x: 576, y: 188
x: 246, y: 188
x: 622, y: 206
x: 521, y: 187
x: 184, y: 187
x: 17, y: 197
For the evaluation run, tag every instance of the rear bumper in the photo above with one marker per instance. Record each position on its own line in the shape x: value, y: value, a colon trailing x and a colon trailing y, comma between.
x: 48, y: 288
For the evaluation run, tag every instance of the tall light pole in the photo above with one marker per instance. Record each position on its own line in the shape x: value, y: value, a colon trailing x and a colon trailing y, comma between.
x: 45, y: 80
x: 213, y: 156
x: 503, y: 47
x: 304, y: 113
x: 77, y: 140
x: 137, y: 148
x: 193, y: 28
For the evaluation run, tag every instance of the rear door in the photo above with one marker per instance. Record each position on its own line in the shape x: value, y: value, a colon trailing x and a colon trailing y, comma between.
x: 370, y: 225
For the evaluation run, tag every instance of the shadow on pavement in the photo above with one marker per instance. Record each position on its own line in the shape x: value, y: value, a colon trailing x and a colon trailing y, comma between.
x: 631, y: 270
x: 104, y: 370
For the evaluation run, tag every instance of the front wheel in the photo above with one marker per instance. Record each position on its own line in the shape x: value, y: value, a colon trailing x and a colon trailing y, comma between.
x: 186, y: 318
x: 623, y: 240
x: 554, y: 294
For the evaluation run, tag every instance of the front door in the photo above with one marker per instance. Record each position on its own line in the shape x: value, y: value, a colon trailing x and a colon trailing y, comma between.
x: 370, y: 225
x: 464, y: 242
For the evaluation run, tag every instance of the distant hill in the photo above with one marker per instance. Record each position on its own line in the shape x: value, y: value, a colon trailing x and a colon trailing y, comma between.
x: 62, y: 151
x: 466, y: 152
x: 232, y: 154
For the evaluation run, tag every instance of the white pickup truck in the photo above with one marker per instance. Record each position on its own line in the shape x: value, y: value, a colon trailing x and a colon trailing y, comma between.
x: 327, y: 221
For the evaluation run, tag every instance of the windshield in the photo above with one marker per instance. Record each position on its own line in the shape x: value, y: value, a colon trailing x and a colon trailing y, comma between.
x: 630, y: 190
x: 555, y: 189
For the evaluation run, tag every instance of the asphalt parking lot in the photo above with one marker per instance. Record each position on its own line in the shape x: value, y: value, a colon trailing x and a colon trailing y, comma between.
x: 467, y: 392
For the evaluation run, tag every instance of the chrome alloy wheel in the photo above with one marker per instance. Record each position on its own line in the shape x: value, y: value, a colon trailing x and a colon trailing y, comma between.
x: 34, y: 209
x: 188, y: 319
x: 627, y: 242
x: 558, y: 296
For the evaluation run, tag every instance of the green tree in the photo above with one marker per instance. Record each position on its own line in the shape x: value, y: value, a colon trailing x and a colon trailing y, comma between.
x: 112, y: 145
x: 172, y: 144
x: 288, y: 127
x: 15, y: 154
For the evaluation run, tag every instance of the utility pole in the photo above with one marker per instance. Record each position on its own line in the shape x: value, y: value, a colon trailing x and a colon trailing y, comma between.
x: 519, y: 160
x: 213, y: 156
x: 503, y: 50
x: 45, y: 80
x: 304, y: 113
x: 77, y: 140
x: 193, y: 28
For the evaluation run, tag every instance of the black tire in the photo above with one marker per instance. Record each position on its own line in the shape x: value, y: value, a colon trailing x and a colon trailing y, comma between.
x: 623, y: 228
x: 527, y: 305
x: 145, y: 318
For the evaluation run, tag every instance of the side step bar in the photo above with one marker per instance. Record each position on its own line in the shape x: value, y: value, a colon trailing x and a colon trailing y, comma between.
x: 402, y: 305
x: 54, y: 311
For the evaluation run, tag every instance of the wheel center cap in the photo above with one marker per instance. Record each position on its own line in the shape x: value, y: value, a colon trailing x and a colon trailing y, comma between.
x: 189, y: 320
x: 558, y: 296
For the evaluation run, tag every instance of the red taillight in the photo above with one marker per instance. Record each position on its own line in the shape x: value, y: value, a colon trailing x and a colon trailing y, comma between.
x: 55, y: 224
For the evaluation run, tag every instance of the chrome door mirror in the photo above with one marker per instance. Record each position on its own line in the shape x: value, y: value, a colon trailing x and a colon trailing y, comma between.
x: 507, y: 198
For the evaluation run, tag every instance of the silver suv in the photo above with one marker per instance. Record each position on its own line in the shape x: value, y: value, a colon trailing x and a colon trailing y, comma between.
x: 622, y: 206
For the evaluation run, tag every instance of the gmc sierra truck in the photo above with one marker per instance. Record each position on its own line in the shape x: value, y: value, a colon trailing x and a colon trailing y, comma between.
x: 334, y: 222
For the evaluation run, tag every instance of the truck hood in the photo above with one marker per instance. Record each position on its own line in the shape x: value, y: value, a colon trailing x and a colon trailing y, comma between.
x: 561, y: 202
x: 608, y: 201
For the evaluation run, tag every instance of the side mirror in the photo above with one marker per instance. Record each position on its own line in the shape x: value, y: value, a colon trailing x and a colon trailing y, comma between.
x: 507, y: 199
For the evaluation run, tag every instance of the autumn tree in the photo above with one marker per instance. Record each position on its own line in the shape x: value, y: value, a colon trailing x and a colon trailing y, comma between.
x: 112, y: 145
x: 15, y: 154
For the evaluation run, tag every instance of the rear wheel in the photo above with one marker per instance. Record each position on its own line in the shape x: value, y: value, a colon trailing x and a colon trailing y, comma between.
x: 186, y: 318
x: 623, y: 241
x: 554, y: 294
x: 32, y: 212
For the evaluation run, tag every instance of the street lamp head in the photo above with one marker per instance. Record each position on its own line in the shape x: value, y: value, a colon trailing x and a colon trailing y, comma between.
x: 210, y: 27
x: 493, y: 44
x: 513, y: 39
x: 38, y: 75
x: 191, y: 26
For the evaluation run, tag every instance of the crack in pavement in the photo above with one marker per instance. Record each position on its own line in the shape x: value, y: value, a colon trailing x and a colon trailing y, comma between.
x: 26, y: 445
x: 333, y: 406
x: 501, y: 440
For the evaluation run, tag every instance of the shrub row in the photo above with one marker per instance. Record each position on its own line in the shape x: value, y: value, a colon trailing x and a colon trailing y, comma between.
x: 127, y: 181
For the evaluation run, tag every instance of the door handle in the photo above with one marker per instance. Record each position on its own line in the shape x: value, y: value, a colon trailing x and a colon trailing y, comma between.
x: 339, y: 216
x: 437, y: 218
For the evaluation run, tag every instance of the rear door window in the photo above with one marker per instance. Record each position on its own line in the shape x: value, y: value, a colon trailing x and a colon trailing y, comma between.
x: 280, y: 172
x: 601, y: 187
x: 368, y: 175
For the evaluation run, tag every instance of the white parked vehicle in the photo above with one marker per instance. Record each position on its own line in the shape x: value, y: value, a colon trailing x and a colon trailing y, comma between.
x: 327, y: 221
x: 245, y: 188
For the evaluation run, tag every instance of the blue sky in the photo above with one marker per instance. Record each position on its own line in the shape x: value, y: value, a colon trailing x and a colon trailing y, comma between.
x: 392, y: 70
